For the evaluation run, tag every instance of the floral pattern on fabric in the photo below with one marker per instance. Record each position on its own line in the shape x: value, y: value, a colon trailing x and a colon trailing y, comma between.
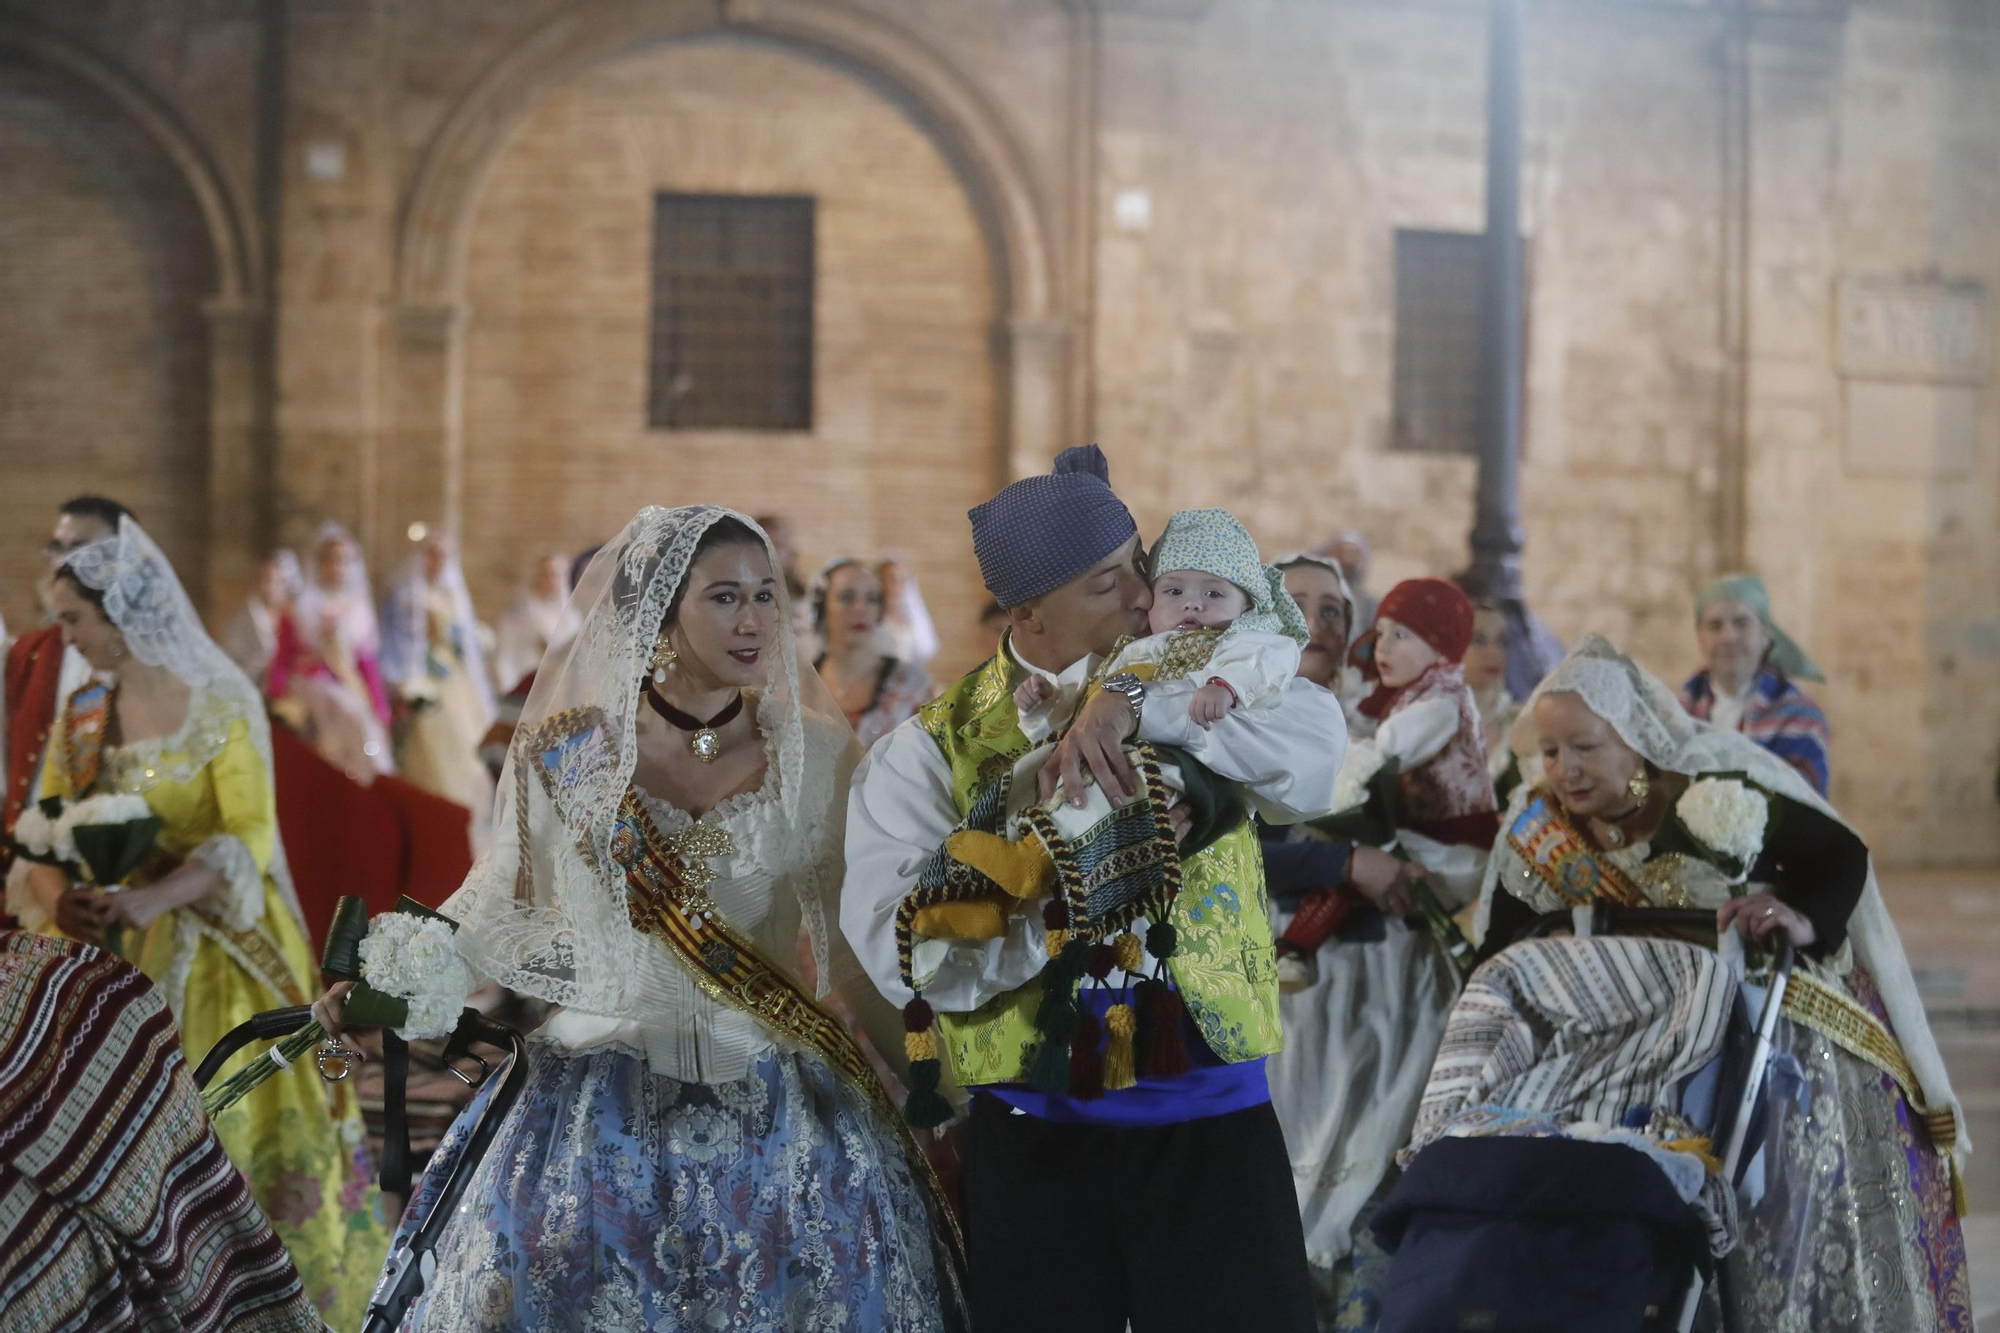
x: 615, y: 1197
x: 1856, y: 1230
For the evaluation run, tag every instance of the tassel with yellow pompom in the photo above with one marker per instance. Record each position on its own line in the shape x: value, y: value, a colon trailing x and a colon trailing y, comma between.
x: 1120, y: 1067
x: 926, y: 1107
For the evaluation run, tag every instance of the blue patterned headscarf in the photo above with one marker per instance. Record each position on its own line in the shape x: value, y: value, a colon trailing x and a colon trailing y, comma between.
x: 1212, y: 541
x: 1041, y: 532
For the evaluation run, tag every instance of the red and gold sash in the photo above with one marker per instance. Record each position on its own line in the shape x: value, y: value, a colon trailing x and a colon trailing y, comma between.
x: 666, y: 896
x: 1558, y: 854
x: 84, y: 724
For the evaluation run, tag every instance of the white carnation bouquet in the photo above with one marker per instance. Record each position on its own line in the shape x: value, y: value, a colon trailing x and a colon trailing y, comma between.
x: 101, y: 838
x: 407, y: 975
x: 1728, y: 818
x: 1351, y: 786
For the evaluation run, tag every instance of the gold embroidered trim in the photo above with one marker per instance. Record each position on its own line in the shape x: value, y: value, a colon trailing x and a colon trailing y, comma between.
x: 729, y: 970
x: 1843, y: 1021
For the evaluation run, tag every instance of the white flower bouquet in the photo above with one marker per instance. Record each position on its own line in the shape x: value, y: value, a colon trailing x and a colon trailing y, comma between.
x: 1364, y: 798
x: 1358, y: 768
x: 407, y: 976
x: 1728, y: 817
x: 99, y: 838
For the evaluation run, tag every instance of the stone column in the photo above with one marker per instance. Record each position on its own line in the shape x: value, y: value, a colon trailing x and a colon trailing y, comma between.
x: 1035, y: 353
x: 419, y: 474
x: 239, y: 456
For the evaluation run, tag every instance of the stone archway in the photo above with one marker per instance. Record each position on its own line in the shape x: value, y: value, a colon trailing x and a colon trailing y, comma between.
x: 421, y: 477
x: 232, y: 305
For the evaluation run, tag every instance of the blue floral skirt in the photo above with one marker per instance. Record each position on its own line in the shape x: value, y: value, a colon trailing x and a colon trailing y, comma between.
x: 616, y: 1198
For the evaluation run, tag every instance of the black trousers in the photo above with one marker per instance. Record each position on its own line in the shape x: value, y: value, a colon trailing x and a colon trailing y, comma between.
x: 1077, y: 1229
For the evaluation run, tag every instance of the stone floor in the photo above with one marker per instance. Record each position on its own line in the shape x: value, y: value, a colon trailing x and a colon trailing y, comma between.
x: 1950, y: 923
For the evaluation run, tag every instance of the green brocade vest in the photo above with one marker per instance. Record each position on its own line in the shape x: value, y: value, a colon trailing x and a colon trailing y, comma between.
x: 1225, y: 964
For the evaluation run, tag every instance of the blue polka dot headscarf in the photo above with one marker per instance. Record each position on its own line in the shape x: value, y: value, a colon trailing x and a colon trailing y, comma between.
x: 1041, y: 532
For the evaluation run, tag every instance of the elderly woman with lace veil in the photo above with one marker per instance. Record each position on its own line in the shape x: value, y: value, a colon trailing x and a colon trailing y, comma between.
x: 213, y: 921
x: 1638, y: 804
x: 874, y: 684
x: 699, y: 1145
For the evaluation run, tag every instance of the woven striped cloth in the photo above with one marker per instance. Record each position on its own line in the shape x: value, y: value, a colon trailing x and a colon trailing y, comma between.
x: 118, y: 1208
x: 1582, y: 1029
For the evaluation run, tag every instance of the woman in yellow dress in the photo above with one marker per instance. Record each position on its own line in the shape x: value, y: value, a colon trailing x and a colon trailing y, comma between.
x: 212, y: 919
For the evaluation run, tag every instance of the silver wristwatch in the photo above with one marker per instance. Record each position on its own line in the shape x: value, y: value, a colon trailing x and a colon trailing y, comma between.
x: 1134, y: 690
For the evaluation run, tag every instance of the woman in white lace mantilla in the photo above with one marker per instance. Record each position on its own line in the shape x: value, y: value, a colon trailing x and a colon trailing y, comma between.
x: 698, y: 1146
x: 435, y: 666
x: 210, y: 915
x: 1635, y: 802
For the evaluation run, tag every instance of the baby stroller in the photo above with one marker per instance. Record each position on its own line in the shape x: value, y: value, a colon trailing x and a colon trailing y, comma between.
x: 410, y: 1265
x: 1576, y: 1158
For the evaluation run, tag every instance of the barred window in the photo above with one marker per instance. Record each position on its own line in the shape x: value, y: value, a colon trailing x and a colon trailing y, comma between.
x: 732, y: 341
x: 1439, y: 275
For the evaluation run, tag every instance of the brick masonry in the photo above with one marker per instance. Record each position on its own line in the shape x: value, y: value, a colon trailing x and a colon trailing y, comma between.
x: 1701, y: 180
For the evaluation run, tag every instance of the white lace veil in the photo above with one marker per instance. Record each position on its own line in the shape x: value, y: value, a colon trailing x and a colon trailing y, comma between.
x: 404, y: 645
x: 1648, y: 717
x: 145, y: 600
x: 353, y: 601
x: 909, y: 620
x: 543, y: 910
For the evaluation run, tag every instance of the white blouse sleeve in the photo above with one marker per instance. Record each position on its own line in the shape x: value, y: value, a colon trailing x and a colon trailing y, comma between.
x: 1285, y: 758
x: 1254, y: 665
x: 1415, y: 734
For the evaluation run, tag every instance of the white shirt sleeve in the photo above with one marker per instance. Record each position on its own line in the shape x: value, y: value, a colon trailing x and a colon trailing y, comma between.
x: 1039, y: 723
x: 1285, y: 757
x: 1255, y: 665
x: 1412, y: 735
x: 898, y: 814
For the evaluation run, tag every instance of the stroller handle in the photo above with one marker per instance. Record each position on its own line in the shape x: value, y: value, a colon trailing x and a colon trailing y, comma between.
x: 1612, y: 919
x: 258, y: 1027
x: 408, y: 1270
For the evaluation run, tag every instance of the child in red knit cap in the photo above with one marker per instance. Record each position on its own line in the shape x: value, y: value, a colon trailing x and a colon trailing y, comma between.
x: 1446, y: 814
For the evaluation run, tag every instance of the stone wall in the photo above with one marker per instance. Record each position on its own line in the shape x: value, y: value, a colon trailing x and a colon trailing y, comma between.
x: 559, y: 284
x: 105, y: 386
x: 1762, y: 248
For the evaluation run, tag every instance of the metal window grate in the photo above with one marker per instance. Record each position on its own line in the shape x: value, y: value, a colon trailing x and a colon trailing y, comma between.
x: 732, y: 340
x: 1438, y: 280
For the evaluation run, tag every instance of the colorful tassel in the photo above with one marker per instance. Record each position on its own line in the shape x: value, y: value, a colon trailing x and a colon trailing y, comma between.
x: 1130, y: 953
x: 926, y: 1107
x: 1055, y: 921
x: 1086, y: 1063
x: 1122, y: 1024
x: 1101, y: 960
x: 1056, y: 1019
x: 1163, y: 1052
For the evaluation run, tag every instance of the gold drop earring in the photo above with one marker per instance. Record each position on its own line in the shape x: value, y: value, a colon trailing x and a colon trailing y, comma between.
x: 663, y: 659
